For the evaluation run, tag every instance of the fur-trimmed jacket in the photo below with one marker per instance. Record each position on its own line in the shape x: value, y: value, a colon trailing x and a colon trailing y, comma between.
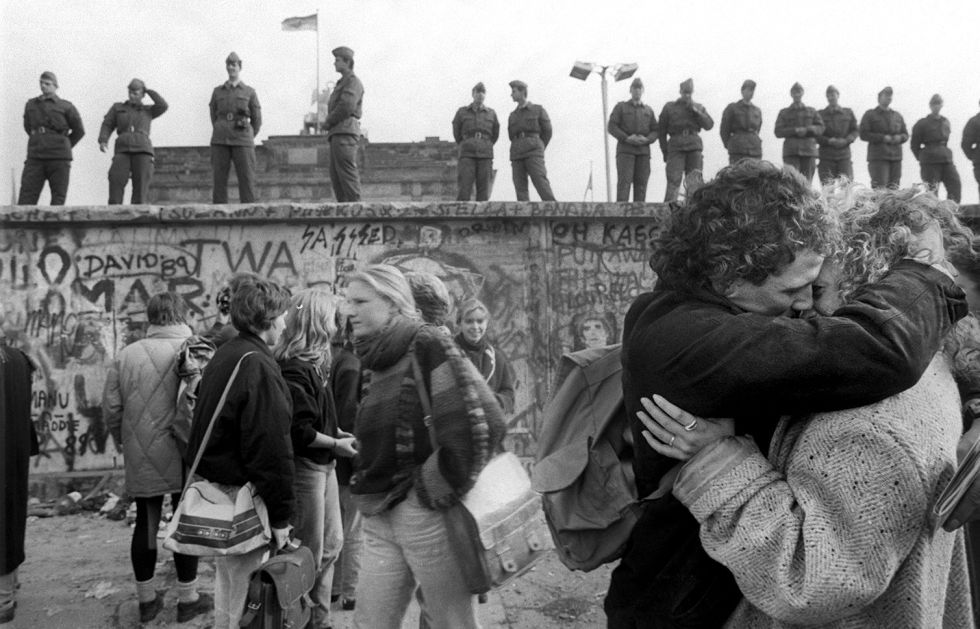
x: 396, y: 453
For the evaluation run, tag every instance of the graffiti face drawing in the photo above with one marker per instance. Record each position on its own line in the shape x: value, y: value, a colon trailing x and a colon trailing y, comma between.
x: 594, y: 333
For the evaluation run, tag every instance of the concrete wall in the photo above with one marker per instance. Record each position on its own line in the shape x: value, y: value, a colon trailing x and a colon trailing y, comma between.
x: 74, y: 283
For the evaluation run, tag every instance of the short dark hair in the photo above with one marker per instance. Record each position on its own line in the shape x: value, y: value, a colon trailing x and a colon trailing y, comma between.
x: 748, y: 223
x: 256, y: 304
x: 166, y: 309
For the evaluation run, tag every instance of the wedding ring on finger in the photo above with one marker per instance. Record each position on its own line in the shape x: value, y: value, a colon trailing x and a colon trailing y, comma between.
x: 691, y: 426
x: 671, y: 444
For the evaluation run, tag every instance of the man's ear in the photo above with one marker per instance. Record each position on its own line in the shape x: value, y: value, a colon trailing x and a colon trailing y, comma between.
x: 727, y: 290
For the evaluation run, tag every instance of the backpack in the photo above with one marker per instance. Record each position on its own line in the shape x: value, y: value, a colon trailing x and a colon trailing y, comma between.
x: 584, y: 468
x: 192, y: 357
x: 279, y: 591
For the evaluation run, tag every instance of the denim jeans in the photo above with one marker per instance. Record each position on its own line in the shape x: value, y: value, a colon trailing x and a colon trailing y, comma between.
x: 348, y: 566
x: 405, y: 546
x: 231, y: 575
x: 317, y: 524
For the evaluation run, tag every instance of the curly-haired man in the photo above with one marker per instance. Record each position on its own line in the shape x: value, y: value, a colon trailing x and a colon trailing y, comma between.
x: 719, y: 334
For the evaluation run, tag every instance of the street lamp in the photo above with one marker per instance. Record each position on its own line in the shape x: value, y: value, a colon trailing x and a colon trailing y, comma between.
x: 620, y: 71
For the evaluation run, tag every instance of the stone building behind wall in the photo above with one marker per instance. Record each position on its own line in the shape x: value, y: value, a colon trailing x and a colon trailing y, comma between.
x: 296, y: 168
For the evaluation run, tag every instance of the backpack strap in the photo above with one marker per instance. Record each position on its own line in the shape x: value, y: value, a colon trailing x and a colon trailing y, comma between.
x: 424, y: 399
x: 253, y: 601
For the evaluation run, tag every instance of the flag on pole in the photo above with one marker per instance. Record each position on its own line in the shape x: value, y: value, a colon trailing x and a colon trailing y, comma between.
x: 588, y: 186
x: 307, y: 23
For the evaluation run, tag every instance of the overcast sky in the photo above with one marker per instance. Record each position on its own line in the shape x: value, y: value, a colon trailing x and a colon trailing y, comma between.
x: 419, y: 59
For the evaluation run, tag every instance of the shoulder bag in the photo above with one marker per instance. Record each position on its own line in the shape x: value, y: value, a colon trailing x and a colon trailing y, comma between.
x: 214, y: 519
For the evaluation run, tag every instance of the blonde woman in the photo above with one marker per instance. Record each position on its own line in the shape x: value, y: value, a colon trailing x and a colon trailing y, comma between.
x: 473, y: 320
x: 400, y: 481
x: 303, y: 354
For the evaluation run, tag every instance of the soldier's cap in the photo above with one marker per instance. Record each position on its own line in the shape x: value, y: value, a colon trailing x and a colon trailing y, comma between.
x: 480, y: 87
x: 796, y: 88
x: 887, y: 91
x: 831, y: 88
x: 136, y: 84
x: 233, y: 58
x: 637, y: 82
x: 748, y: 83
x: 687, y: 85
x: 521, y: 85
x: 49, y: 76
x: 936, y: 98
x: 343, y: 51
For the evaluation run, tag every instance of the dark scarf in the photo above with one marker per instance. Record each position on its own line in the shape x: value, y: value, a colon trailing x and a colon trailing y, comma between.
x: 384, y: 349
x: 479, y: 346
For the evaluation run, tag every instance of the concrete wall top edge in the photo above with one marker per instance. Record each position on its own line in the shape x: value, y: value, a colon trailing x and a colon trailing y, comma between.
x: 284, y: 211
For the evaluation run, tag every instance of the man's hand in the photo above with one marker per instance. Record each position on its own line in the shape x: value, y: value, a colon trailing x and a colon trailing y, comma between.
x: 800, y: 131
x: 345, y: 445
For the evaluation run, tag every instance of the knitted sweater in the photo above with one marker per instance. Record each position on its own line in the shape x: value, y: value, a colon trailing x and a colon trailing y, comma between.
x: 836, y: 528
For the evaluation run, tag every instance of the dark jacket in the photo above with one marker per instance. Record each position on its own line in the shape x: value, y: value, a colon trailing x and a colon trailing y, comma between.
x: 929, y: 138
x: 740, y: 125
x: 236, y: 115
x: 132, y: 123
x: 495, y: 369
x: 345, y: 384
x: 795, y: 116
x: 54, y: 126
x: 476, y: 130
x: 629, y: 118
x: 18, y: 442
x: 313, y: 409
x: 682, y: 122
x: 838, y: 122
x: 875, y: 125
x: 971, y: 139
x: 529, y: 130
x: 251, y: 436
x: 344, y: 107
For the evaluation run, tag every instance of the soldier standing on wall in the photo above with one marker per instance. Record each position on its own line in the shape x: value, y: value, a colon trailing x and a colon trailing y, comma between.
x: 740, y: 124
x: 529, y: 129
x: 475, y: 129
x: 681, y: 120
x: 54, y: 127
x: 634, y: 124
x: 800, y: 126
x: 884, y: 130
x: 134, y: 151
x: 235, y: 117
x: 344, y: 127
x: 929, y: 138
x: 839, y: 132
x: 971, y: 144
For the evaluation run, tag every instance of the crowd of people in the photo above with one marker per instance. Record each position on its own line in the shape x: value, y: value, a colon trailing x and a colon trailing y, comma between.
x: 798, y: 381
x: 814, y: 141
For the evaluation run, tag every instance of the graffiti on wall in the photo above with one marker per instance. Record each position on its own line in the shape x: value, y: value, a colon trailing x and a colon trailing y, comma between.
x: 72, y: 297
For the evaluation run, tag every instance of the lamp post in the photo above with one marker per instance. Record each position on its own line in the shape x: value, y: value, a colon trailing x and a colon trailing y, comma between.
x: 620, y: 71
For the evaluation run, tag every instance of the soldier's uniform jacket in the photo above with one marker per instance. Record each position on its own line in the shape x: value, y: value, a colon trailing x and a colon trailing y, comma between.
x: 476, y: 130
x: 236, y: 115
x: 799, y: 115
x: 838, y: 122
x: 629, y: 118
x: 54, y: 127
x: 529, y: 130
x: 875, y: 125
x: 344, y: 107
x: 132, y: 123
x: 740, y: 125
x: 929, y: 138
x: 971, y: 139
x: 682, y: 123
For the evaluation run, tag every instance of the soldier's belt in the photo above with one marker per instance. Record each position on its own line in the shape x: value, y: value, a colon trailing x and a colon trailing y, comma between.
x: 40, y: 130
x: 479, y: 135
x: 230, y: 117
x: 527, y: 134
x: 685, y: 132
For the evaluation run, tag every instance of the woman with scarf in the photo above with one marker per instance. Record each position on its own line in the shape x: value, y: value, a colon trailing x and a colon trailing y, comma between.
x: 401, y: 483
x: 303, y: 354
x: 473, y: 319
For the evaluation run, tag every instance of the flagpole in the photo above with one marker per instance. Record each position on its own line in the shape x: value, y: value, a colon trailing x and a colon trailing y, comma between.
x: 317, y: 70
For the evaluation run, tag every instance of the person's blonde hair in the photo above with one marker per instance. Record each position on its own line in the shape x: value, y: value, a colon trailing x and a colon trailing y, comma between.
x: 310, y: 327
x: 391, y: 285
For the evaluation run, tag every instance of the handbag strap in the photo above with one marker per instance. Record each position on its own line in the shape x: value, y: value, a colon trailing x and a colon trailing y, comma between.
x: 424, y: 399
x: 214, y: 417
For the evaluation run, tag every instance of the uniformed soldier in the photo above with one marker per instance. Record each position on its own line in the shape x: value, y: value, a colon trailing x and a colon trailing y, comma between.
x: 475, y: 129
x: 529, y: 129
x: 971, y: 144
x: 884, y: 130
x: 54, y: 127
x: 681, y: 120
x: 236, y: 117
x: 929, y: 138
x: 344, y: 127
x: 634, y: 125
x: 740, y: 125
x: 134, y: 151
x: 839, y: 132
x: 800, y: 126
